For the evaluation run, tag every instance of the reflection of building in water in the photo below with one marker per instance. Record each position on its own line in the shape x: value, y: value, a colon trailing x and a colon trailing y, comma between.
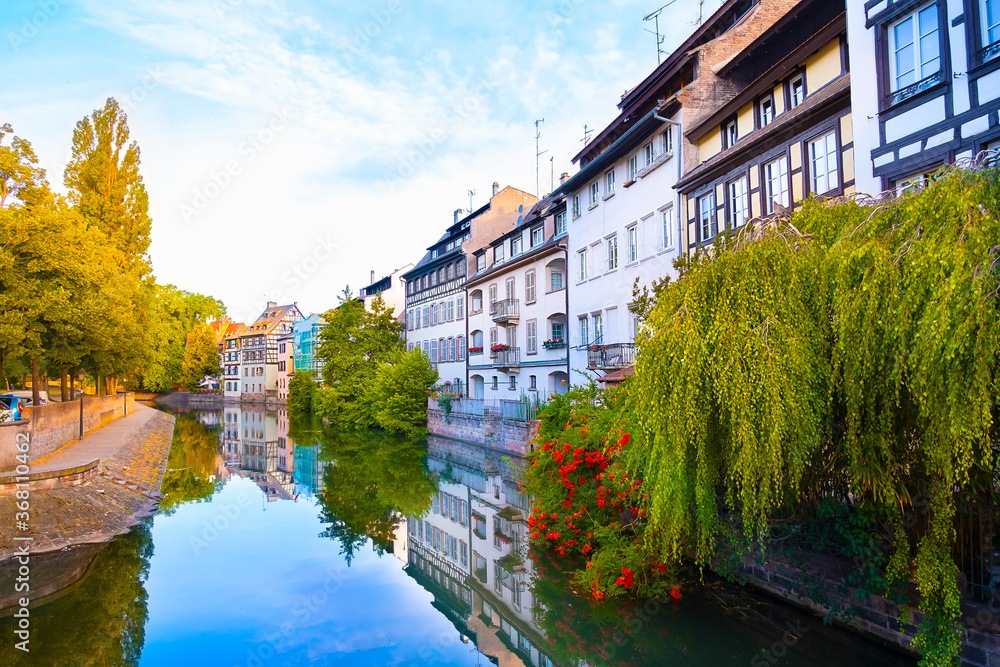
x: 470, y: 551
x: 261, y: 450
x: 209, y: 418
x: 308, y: 469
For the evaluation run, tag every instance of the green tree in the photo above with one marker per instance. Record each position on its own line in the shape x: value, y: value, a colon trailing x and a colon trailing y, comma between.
x: 301, y: 392
x: 201, y: 357
x: 174, y: 314
x: 399, y: 393
x: 353, y: 346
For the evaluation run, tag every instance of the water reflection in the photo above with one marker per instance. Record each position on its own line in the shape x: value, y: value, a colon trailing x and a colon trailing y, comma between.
x: 275, y: 548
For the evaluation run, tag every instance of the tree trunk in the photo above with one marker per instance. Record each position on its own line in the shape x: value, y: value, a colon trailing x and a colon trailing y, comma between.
x: 35, y: 380
x: 72, y: 377
x: 63, y: 389
x: 97, y: 385
x: 3, y: 377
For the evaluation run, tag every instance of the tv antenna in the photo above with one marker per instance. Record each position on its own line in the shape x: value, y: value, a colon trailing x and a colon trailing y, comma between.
x: 472, y: 193
x: 538, y: 154
x: 586, y: 134
x: 655, y: 17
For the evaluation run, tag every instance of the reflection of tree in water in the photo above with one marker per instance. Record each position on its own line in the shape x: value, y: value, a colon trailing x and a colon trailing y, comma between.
x: 373, y: 480
x: 100, y: 623
x: 190, y: 463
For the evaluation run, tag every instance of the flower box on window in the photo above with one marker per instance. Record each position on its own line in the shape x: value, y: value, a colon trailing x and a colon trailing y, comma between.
x: 554, y: 343
x: 475, y: 350
x: 499, y: 347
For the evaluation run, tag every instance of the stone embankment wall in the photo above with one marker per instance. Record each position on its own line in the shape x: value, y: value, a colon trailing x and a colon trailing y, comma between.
x: 52, y: 426
x: 509, y: 436
x: 874, y: 616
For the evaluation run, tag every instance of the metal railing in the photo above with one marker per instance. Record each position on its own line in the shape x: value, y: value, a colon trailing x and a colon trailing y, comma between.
x: 507, y: 357
x: 613, y: 355
x: 508, y: 309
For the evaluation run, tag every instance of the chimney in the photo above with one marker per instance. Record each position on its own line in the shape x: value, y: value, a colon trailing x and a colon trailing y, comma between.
x: 563, y: 177
x: 373, y: 278
x: 496, y: 188
x: 271, y: 304
x: 458, y: 213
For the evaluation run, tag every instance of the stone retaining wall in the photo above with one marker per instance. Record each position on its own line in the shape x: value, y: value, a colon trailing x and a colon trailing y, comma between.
x: 54, y: 425
x: 874, y: 616
x: 511, y: 437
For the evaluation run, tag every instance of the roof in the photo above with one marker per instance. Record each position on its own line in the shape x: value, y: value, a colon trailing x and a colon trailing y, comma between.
x: 516, y: 261
x: 616, y: 377
x: 269, y: 320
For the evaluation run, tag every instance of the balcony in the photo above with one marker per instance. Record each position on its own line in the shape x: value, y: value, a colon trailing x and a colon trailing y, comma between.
x: 507, y: 310
x: 506, y: 357
x: 610, y: 357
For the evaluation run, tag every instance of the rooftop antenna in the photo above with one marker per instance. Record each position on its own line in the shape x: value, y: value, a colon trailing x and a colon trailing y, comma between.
x: 701, y: 7
x: 586, y: 134
x: 655, y: 16
x: 552, y: 173
x: 538, y: 154
x: 472, y: 193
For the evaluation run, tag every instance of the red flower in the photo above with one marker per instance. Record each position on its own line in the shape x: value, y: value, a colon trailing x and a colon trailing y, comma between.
x: 675, y: 594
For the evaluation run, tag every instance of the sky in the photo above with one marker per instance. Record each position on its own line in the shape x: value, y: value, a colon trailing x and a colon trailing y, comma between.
x: 289, y: 148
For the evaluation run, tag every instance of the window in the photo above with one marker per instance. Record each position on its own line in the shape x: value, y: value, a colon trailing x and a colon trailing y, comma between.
x: 460, y: 269
x: 706, y: 216
x: 531, y: 334
x: 509, y: 288
x: 823, y: 164
x: 634, y: 321
x: 914, y: 48
x: 409, y: 288
x: 776, y: 183
x: 729, y: 134
x: 555, y: 281
x: 612, y: 253
x: 648, y: 154
x: 515, y: 247
x: 477, y: 302
x: 452, y: 349
x: 441, y: 275
x: 633, y: 243
x: 443, y: 350
x: 765, y: 112
x: 584, y: 331
x: 561, y: 223
x: 583, y: 264
x: 598, y: 328
x: 913, y: 182
x: 529, y: 287
x: 434, y: 351
x: 433, y: 278
x: 989, y: 17
x: 434, y: 313
x: 427, y: 316
x: 459, y: 307
x: 532, y: 382
x: 557, y: 330
x: 668, y: 228
x: 498, y: 254
x: 493, y: 293
x: 595, y: 192
x: 609, y: 180
x: 513, y: 382
x: 796, y: 91
x: 451, y: 310
x: 633, y: 167
x: 461, y: 348
x: 576, y: 206
x: 739, y: 204
x: 447, y: 272
x: 423, y: 282
x: 480, y: 263
x: 494, y: 336
x: 668, y: 140
x: 537, y: 236
x: 496, y: 383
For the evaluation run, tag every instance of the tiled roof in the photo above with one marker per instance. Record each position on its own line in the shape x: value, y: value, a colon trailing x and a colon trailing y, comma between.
x: 618, y: 376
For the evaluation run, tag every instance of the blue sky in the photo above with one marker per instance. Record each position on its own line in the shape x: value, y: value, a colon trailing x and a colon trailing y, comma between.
x: 291, y: 147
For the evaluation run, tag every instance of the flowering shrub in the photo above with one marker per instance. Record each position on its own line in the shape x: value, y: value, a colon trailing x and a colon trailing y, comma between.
x: 498, y: 347
x: 587, y: 507
x: 554, y: 342
x: 475, y: 350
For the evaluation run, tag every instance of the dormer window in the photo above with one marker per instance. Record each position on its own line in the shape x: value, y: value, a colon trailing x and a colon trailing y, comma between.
x: 498, y: 257
x: 729, y: 134
x: 515, y: 247
x: 796, y: 91
x: 765, y: 111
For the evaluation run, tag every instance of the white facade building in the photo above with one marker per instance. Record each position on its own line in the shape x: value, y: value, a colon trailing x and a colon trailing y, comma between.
x: 517, y: 300
x: 623, y: 225
x: 933, y: 94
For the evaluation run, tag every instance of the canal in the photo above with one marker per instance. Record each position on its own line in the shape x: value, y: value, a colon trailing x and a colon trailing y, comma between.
x: 278, y: 544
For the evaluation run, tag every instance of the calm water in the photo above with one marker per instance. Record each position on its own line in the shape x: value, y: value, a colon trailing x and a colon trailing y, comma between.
x: 279, y: 546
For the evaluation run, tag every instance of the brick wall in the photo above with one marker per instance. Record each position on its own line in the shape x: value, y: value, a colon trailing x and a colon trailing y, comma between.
x: 54, y: 425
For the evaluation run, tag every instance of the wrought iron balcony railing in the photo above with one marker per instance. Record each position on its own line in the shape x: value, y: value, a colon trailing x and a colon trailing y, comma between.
x: 611, y: 356
x: 505, y: 311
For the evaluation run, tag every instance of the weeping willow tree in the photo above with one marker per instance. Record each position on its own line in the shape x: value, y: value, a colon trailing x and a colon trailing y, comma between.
x: 847, y: 351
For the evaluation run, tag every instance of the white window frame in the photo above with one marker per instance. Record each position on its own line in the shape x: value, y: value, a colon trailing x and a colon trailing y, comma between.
x: 776, y: 173
x: 598, y: 322
x: 649, y: 154
x: 537, y: 236
x: 633, y: 167
x: 611, y: 243
x: 609, y: 182
x: 576, y: 206
x: 595, y: 193
x: 707, y: 216
x: 632, y: 243
x: 824, y: 171
x: 515, y: 246
x: 531, y: 336
x: 552, y: 281
x: 668, y: 224
x: 737, y: 191
x: 921, y: 68
x: 765, y: 111
x: 560, y: 223
x: 584, y: 330
x: 584, y: 268
x: 989, y: 17
x: 796, y: 97
x: 529, y: 287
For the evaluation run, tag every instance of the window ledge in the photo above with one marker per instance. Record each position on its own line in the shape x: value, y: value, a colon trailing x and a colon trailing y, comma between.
x: 646, y: 171
x: 629, y: 183
x: 609, y: 196
x: 553, y: 291
x: 592, y: 206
